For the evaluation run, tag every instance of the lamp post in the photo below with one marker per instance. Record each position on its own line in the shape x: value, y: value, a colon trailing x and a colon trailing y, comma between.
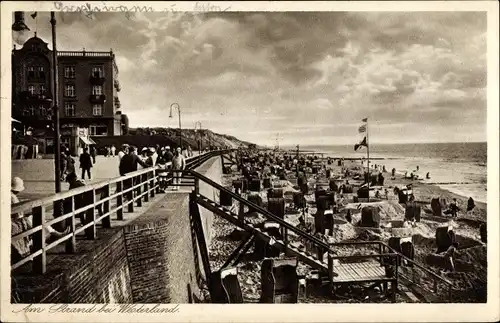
x: 197, y: 123
x: 176, y: 105
x: 20, y: 26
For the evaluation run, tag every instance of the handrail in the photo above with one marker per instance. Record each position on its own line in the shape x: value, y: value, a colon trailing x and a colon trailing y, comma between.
x: 264, y: 212
x: 145, y: 187
x: 28, y: 205
x: 426, y: 270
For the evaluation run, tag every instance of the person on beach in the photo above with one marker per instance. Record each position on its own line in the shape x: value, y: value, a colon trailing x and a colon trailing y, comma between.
x: 470, y: 204
x: 178, y: 163
x: 428, y: 175
x: 85, y: 163
x: 454, y: 208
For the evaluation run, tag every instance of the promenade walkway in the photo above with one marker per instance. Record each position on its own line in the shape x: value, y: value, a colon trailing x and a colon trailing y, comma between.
x: 38, y: 174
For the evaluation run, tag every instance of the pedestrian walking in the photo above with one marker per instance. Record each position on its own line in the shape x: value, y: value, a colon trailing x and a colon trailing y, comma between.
x: 122, y: 152
x: 93, y: 153
x: 85, y: 163
x: 178, y: 164
x: 113, y: 150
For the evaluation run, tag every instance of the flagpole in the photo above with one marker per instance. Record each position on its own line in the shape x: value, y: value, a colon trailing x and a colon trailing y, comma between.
x: 368, y: 158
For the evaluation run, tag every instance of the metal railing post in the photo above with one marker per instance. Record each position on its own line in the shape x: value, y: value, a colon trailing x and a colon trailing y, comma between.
x: 39, y: 263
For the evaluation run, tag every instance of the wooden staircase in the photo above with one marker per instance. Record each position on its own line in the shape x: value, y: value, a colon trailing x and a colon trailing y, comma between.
x: 238, y: 221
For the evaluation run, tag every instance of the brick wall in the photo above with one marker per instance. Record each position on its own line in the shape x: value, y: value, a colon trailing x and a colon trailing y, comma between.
x: 97, y: 273
x: 160, y: 252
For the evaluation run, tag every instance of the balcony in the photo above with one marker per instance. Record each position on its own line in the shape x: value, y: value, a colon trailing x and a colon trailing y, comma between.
x: 117, y: 103
x: 101, y: 98
x: 97, y: 79
x: 117, y: 85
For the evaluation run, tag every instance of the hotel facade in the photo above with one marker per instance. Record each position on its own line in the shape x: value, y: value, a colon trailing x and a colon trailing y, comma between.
x: 88, y: 94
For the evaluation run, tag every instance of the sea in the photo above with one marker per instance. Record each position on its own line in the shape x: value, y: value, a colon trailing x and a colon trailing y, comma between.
x: 460, y: 168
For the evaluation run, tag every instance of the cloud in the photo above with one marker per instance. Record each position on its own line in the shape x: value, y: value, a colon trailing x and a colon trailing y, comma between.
x: 255, y: 73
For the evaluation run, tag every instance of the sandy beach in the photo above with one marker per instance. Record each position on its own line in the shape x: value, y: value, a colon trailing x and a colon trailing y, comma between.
x: 472, y: 252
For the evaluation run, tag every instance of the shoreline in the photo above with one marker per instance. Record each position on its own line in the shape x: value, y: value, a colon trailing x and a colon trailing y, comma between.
x: 424, y: 192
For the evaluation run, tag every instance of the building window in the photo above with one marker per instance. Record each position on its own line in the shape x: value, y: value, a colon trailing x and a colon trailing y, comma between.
x: 69, y: 90
x: 31, y: 89
x: 97, y: 90
x: 97, y: 109
x: 29, y: 111
x: 40, y: 71
x: 69, y: 109
x: 97, y: 72
x: 42, y: 90
x: 31, y: 72
x: 69, y: 72
x: 43, y: 110
x: 98, y: 130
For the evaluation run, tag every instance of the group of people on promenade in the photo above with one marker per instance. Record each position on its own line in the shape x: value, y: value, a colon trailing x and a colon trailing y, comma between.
x: 129, y: 161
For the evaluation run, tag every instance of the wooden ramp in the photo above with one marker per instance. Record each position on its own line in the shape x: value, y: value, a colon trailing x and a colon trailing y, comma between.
x: 360, y: 272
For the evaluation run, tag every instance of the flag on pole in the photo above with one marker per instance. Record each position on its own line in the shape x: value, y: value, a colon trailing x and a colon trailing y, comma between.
x: 365, y: 120
x: 33, y: 15
x: 362, y: 129
x: 361, y: 144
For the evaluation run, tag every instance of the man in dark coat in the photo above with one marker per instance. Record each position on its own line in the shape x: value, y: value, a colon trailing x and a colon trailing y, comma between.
x: 128, y: 164
x: 85, y: 163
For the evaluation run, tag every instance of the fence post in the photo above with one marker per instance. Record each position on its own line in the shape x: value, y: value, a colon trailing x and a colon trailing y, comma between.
x: 146, y: 186
x: 90, y: 232
x: 119, y: 200
x: 71, y: 243
x: 196, y: 186
x: 39, y: 263
x: 138, y: 180
x: 154, y: 183
x: 130, y: 194
x: 106, y: 221
x: 330, y: 270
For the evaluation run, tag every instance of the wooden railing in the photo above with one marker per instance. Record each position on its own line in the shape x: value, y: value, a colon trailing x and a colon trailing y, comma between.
x: 136, y: 187
x: 411, y: 266
x: 421, y: 275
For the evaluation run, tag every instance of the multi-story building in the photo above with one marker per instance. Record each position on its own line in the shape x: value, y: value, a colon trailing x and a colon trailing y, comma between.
x: 88, y: 93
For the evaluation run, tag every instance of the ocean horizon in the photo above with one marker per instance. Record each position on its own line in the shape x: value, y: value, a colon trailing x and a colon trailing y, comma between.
x: 459, y: 167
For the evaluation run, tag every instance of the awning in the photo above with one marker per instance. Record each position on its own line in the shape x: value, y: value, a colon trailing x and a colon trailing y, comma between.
x: 14, y: 120
x: 87, y: 141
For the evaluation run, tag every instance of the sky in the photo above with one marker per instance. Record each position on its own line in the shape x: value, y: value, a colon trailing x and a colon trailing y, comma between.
x: 294, y: 77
